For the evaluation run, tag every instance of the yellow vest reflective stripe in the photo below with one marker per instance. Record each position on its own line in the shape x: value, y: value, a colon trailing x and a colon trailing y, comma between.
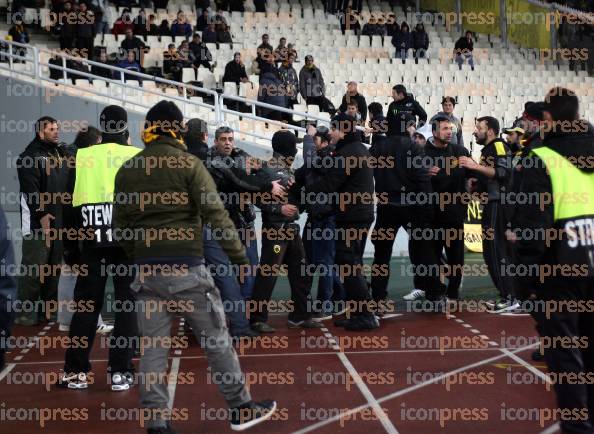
x: 573, y: 189
x: 96, y: 169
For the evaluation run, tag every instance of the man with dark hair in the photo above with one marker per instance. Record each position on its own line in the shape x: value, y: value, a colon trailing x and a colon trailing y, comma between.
x: 282, y: 243
x: 378, y: 124
x: 402, y: 107
x: 191, y: 284
x: 195, y: 138
x: 265, y: 45
x: 463, y: 50
x: 562, y: 167
x: 490, y: 180
x: 448, y: 103
x: 354, y: 215
x: 134, y: 43
x: 41, y: 170
x: 91, y: 184
x: 448, y: 180
x: 200, y: 54
x: 235, y: 71
x: 312, y: 86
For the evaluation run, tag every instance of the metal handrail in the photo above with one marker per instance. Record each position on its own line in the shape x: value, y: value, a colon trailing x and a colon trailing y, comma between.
x: 218, y: 107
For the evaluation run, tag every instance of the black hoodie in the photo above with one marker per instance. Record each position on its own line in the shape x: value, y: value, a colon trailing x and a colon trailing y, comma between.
x: 400, y: 111
x: 538, y: 215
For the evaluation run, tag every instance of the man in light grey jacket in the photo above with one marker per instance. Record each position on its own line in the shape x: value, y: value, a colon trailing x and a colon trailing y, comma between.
x: 448, y: 103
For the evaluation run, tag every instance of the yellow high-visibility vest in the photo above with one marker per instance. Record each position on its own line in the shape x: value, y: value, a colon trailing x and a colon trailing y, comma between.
x: 96, y: 169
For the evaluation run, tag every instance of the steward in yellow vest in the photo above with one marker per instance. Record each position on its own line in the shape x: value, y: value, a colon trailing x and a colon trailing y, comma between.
x: 555, y: 253
x: 92, y: 186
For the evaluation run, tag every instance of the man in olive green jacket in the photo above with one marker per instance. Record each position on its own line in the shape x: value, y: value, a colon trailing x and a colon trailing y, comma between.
x: 163, y: 197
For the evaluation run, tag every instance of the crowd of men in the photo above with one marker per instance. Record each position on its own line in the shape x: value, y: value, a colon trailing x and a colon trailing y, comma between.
x: 206, y: 254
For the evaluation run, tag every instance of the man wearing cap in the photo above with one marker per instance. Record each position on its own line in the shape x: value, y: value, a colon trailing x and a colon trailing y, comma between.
x: 448, y: 103
x: 352, y: 186
x: 514, y: 135
x: 281, y: 242
x: 320, y: 248
x: 563, y: 259
x: 92, y: 186
x: 172, y: 272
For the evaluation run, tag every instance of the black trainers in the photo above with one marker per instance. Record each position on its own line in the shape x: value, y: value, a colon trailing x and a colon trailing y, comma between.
x: 363, y: 322
x: 162, y: 430
x: 245, y: 333
x: 262, y: 327
x: 73, y: 380
x: 250, y: 414
x: 305, y: 324
x: 121, y: 381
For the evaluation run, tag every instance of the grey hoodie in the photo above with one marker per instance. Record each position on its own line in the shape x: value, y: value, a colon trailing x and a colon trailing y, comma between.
x: 457, y: 137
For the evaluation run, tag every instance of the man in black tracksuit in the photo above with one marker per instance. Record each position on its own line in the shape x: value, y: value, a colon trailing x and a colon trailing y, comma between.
x: 281, y: 242
x: 400, y: 111
x: 492, y: 177
x: 449, y: 184
x: 43, y: 177
x: 403, y: 188
x: 563, y: 164
x: 353, y: 186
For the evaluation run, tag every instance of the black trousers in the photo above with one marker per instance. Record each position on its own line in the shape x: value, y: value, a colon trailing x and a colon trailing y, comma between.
x: 454, y: 249
x: 576, y: 359
x: 420, y: 248
x: 495, y: 247
x: 322, y: 102
x: 90, y: 292
x: 281, y: 246
x: 349, y: 258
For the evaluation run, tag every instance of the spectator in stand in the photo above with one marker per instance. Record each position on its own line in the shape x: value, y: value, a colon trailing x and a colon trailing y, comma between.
x: 377, y: 121
x: 201, y: 6
x: 278, y: 53
x: 203, y: 21
x: 209, y: 36
x: 224, y: 35
x: 164, y: 29
x: 236, y: 5
x: 293, y: 51
x: 160, y: 4
x: 77, y: 65
x: 312, y: 87
x: 382, y: 30
x: 85, y: 31
x: 185, y: 55
x: 200, y: 54
x: 272, y: 92
x: 463, y: 50
x: 18, y: 33
x: 152, y: 28
x: 102, y: 16
x: 352, y: 94
x: 370, y: 28
x: 265, y: 45
x: 67, y: 27
x: 392, y: 26
x: 420, y: 42
x: 100, y: 71
x: 135, y: 44
x: 140, y: 24
x: 403, y: 42
x: 131, y: 64
x: 181, y: 27
x: 235, y: 71
x: 448, y: 103
x: 260, y: 5
x: 290, y: 80
x: 172, y: 63
x: 123, y: 23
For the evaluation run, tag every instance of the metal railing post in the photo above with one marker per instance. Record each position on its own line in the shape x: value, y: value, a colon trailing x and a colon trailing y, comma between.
x: 64, y: 70
x: 36, y: 65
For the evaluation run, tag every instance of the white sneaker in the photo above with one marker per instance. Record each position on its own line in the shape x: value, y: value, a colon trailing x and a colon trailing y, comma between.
x: 121, y: 381
x: 415, y: 294
x: 64, y: 327
x: 104, y: 328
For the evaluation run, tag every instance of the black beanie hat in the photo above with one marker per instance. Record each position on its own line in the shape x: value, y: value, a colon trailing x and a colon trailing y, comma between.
x: 113, y: 120
x: 347, y: 124
x: 165, y: 118
x: 284, y: 143
x: 534, y: 110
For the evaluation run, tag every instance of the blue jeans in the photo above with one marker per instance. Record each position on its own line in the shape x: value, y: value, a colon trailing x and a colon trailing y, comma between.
x: 219, y: 266
x: 250, y: 242
x: 460, y: 58
x: 320, y: 250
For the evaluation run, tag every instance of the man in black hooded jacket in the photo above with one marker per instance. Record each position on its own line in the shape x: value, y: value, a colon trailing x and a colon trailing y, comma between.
x: 403, y: 106
x: 563, y: 260
x: 350, y: 179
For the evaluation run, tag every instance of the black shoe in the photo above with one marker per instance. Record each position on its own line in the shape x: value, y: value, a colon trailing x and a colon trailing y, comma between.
x: 246, y: 333
x: 250, y: 414
x: 341, y: 322
x: 537, y: 356
x: 162, y: 430
x: 363, y: 322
